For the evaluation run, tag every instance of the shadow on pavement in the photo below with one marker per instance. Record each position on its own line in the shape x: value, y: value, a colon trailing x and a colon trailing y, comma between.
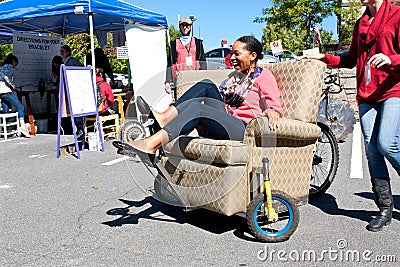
x: 327, y: 203
x: 201, y: 218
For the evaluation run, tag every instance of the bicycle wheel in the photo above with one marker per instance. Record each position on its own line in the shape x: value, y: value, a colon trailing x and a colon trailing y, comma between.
x: 325, y: 162
x: 131, y: 130
x: 276, y: 231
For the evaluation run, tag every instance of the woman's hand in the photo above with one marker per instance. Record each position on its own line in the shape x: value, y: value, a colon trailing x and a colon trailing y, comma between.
x: 273, y: 117
x: 315, y: 56
x: 379, y: 60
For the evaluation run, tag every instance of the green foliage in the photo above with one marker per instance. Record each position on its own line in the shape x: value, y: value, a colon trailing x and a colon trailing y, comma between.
x: 347, y: 19
x: 173, y: 33
x: 296, y: 18
x: 5, y: 49
x: 292, y: 22
x: 80, y: 46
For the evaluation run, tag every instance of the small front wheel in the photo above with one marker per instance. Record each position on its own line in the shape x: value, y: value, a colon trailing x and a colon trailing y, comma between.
x: 279, y: 229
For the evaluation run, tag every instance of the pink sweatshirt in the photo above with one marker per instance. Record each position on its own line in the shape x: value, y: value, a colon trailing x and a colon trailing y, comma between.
x: 263, y: 94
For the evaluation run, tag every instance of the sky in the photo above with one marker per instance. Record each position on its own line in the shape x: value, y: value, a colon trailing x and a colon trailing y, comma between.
x: 218, y: 19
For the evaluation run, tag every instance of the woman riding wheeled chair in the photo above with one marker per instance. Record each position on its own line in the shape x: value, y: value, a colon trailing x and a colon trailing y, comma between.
x: 222, y: 114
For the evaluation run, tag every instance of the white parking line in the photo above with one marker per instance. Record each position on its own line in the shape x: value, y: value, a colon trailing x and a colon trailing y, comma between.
x: 115, y: 161
x: 356, y: 170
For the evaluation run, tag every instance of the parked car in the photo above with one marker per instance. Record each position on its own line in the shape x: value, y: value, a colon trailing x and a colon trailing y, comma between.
x: 267, y: 59
x: 120, y: 80
x: 216, y: 57
x: 286, y: 55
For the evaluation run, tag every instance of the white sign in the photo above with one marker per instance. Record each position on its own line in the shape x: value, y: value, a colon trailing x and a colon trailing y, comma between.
x: 34, y: 54
x: 148, y: 62
x: 276, y: 47
x: 81, y: 91
x: 312, y: 51
x: 122, y: 52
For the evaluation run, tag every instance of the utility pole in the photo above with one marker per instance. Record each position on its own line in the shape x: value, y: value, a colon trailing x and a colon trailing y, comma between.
x: 193, y: 19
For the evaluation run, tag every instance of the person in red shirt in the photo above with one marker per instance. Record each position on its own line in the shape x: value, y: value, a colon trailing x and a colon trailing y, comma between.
x: 106, y: 94
x: 375, y: 51
x: 186, y: 53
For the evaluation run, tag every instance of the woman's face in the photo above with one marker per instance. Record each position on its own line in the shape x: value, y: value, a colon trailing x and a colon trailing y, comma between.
x: 242, y: 59
x: 14, y: 63
x: 64, y: 53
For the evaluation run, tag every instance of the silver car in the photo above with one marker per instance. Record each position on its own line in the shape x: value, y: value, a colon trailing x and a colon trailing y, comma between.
x: 216, y: 58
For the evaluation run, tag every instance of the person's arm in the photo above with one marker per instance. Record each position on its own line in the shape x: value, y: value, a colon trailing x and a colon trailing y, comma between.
x: 10, y: 83
x: 8, y: 72
x: 200, y: 56
x: 171, y: 60
x: 347, y: 61
x: 270, y: 96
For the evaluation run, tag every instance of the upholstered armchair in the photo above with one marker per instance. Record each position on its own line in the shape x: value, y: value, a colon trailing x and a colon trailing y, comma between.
x: 223, y: 175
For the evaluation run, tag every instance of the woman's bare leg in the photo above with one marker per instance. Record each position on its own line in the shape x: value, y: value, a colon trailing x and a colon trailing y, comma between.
x: 151, y: 143
x: 164, y: 117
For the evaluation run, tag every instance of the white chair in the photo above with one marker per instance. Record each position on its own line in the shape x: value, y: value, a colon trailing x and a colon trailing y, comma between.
x: 9, y: 125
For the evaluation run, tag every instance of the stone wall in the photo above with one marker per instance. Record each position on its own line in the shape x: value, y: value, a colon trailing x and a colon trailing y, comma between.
x: 347, y: 77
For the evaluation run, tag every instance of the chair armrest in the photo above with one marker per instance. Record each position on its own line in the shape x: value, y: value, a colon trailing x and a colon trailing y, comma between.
x: 288, y: 129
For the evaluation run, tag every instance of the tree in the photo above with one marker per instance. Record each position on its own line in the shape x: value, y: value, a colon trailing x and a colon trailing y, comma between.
x: 292, y: 21
x: 347, y: 17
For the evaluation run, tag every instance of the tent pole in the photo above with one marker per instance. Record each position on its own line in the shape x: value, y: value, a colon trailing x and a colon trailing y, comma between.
x: 92, y: 45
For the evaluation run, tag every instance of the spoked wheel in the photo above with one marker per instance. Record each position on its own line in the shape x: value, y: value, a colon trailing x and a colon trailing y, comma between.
x: 277, y: 230
x: 131, y: 130
x: 325, y: 162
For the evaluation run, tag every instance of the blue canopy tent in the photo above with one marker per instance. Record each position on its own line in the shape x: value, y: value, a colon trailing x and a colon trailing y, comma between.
x: 74, y: 16
x: 68, y: 16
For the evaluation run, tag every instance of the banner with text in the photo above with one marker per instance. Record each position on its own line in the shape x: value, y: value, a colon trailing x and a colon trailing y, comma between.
x: 34, y: 54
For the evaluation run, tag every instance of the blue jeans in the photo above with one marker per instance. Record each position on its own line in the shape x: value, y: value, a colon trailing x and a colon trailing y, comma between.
x: 10, y: 99
x: 201, y: 107
x: 380, y: 125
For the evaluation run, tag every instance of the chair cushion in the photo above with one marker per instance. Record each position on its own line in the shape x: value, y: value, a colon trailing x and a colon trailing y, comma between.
x: 186, y: 79
x: 225, y: 152
x: 300, y: 83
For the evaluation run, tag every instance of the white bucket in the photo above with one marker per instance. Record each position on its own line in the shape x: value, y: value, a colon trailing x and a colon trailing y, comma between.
x: 93, y: 139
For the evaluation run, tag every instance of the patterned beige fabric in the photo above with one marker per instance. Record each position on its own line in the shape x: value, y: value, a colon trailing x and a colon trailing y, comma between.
x: 227, y: 171
x: 288, y: 129
x: 186, y: 79
x: 208, y: 150
x: 300, y: 83
x: 219, y: 188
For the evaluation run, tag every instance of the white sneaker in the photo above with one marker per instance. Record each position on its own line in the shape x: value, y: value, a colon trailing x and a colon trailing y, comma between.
x: 25, y: 132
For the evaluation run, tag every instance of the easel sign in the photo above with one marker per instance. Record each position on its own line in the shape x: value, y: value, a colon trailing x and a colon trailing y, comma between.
x: 77, y: 88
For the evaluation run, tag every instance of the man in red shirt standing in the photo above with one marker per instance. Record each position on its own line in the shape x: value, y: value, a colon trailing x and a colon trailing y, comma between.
x: 186, y: 53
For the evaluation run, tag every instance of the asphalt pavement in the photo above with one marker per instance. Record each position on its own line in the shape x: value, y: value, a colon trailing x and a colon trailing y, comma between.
x: 99, y: 211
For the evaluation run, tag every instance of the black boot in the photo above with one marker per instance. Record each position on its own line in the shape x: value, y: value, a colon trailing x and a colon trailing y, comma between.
x: 384, y: 201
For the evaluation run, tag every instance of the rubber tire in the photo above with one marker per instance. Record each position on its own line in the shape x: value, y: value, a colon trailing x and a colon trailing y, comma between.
x: 333, y: 166
x: 288, y: 230
x: 130, y: 130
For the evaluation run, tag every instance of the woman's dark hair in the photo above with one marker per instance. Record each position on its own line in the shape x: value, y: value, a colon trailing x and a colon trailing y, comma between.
x: 252, y: 45
x: 99, y: 72
x: 66, y: 48
x: 9, y: 59
x: 57, y: 60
